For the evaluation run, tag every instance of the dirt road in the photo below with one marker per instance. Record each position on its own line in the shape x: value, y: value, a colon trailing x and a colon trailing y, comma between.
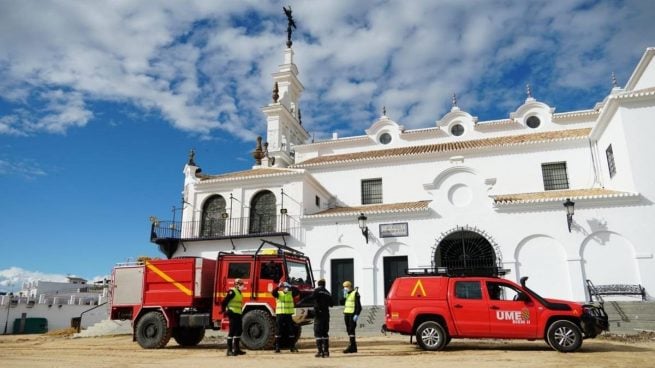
x: 36, y: 351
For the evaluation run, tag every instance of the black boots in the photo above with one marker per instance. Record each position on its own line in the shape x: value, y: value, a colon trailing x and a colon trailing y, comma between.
x: 233, y: 348
x: 319, y: 347
x: 237, y: 347
x: 230, y: 352
x: 352, y: 347
x: 323, y: 346
x: 277, y: 344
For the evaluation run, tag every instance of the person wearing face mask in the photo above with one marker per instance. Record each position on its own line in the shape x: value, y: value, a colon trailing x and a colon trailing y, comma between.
x: 284, y: 309
x: 352, y: 309
x: 232, y: 305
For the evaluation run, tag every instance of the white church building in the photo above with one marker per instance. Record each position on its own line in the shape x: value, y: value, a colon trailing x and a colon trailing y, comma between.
x: 467, y: 195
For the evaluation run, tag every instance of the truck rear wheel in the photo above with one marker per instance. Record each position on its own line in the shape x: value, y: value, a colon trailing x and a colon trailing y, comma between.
x: 258, y: 330
x: 431, y: 336
x: 564, y: 336
x: 152, y: 331
x: 188, y: 336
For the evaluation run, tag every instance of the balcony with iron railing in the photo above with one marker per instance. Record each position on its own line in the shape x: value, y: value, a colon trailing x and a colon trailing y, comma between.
x: 225, y: 228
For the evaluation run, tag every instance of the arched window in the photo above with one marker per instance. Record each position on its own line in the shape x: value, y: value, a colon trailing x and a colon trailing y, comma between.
x: 466, y: 253
x: 213, y: 223
x: 262, y: 213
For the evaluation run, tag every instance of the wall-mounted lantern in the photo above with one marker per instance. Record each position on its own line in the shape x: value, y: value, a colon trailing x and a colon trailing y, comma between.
x: 362, y: 225
x: 570, y: 210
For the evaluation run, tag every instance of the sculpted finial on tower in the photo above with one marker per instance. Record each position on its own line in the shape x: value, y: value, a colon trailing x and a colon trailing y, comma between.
x: 192, y: 158
x: 276, y: 93
x: 615, y: 84
x: 290, y: 24
x: 258, y: 153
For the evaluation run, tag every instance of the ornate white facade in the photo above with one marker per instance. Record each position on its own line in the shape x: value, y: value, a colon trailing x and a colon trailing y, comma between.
x: 460, y: 190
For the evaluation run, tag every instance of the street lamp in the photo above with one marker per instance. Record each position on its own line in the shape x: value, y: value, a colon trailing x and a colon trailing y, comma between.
x: 570, y: 210
x: 362, y: 225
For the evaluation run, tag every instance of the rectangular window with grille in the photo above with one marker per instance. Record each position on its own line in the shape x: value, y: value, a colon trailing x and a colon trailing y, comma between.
x: 555, y: 176
x: 610, y: 160
x: 371, y: 191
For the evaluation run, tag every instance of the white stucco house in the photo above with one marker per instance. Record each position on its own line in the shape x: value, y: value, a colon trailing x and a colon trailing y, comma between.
x: 459, y: 193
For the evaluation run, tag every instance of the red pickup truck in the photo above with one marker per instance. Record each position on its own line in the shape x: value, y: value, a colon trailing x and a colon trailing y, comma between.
x: 438, y: 308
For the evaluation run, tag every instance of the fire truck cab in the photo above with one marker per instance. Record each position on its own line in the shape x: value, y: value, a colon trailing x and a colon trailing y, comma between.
x: 181, y: 297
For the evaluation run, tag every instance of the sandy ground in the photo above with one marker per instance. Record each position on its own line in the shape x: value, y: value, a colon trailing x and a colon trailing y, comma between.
x: 380, y: 352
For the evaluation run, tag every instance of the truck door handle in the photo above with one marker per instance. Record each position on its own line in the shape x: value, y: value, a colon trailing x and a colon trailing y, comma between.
x: 494, y: 307
x: 458, y: 306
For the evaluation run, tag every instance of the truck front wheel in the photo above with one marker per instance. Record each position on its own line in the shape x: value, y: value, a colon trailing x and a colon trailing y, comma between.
x: 564, y: 336
x: 431, y: 336
x: 258, y: 330
x: 188, y: 336
x: 152, y: 331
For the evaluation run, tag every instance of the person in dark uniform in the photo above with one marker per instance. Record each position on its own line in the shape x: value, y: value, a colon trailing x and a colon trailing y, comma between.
x: 284, y: 309
x: 322, y: 302
x: 352, y: 309
x: 232, y: 305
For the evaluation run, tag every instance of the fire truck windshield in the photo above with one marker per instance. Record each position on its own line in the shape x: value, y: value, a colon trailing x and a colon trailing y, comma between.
x: 298, y: 273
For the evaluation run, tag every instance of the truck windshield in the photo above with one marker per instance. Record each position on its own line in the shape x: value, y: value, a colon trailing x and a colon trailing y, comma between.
x: 298, y: 273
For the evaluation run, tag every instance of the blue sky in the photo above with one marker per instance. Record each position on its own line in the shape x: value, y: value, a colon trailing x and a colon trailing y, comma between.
x: 100, y: 102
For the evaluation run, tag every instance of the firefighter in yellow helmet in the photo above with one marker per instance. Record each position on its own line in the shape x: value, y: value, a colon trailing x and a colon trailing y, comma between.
x: 232, y: 305
x: 352, y: 309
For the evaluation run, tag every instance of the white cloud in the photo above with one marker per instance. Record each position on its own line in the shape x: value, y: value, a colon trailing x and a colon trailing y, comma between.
x: 205, y: 66
x: 27, y: 169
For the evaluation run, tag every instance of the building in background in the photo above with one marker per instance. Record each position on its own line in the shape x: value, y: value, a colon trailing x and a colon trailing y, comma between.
x: 54, y: 305
x: 467, y: 195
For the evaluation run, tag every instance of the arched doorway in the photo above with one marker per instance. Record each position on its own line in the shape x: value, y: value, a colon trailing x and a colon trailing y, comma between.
x: 262, y: 213
x: 213, y: 222
x: 466, y: 252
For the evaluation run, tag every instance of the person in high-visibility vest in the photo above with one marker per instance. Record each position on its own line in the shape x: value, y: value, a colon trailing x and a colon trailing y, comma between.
x: 231, y: 306
x: 284, y: 309
x: 352, y: 309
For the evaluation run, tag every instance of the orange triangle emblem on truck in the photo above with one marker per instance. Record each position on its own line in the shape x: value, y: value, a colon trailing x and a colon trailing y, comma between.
x: 418, y: 285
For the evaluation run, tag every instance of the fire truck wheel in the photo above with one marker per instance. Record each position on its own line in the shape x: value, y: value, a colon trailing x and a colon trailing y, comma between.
x: 258, y: 330
x: 431, y: 336
x: 152, y: 331
x: 564, y: 336
x: 188, y: 336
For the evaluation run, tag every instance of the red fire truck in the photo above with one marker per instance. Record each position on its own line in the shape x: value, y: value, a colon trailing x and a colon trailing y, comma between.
x: 181, y: 297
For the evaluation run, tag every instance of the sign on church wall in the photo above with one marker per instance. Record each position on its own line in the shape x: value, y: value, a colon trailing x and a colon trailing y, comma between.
x: 396, y: 230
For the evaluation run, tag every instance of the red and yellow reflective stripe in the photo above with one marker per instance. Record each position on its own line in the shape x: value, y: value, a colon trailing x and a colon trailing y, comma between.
x: 167, y: 278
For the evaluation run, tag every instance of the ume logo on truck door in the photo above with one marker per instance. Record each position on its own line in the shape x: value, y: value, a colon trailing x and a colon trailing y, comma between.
x: 517, y: 317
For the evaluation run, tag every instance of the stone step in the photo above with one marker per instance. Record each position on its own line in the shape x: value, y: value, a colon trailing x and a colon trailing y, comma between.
x: 630, y: 317
x: 369, y: 324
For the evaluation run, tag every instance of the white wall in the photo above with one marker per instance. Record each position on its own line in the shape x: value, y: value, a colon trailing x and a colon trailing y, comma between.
x: 58, y: 317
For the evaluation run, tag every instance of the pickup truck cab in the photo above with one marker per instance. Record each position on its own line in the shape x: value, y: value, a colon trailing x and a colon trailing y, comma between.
x: 437, y: 308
